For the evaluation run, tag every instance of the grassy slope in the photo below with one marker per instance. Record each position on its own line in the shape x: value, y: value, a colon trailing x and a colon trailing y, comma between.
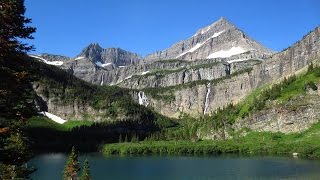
x: 307, y: 144
x: 43, y: 122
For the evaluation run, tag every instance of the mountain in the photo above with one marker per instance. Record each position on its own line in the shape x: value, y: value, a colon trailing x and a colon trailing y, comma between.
x: 216, y: 95
x: 199, y: 91
x: 109, y: 56
x: 93, y: 61
x: 34, y: 86
x: 115, y: 66
x: 218, y: 40
x: 200, y: 87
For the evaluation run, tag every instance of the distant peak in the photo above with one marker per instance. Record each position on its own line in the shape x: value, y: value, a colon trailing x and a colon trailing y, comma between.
x: 222, y: 19
x: 94, y: 45
x: 220, y: 25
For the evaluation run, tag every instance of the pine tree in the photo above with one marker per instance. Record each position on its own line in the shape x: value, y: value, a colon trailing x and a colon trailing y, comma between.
x: 14, y: 102
x: 13, y: 28
x: 72, y: 166
x: 14, y: 152
x: 86, y: 175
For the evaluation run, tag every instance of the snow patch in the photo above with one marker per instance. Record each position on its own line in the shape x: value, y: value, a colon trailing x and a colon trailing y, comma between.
x: 53, y: 117
x: 122, y: 66
x: 198, y: 45
x: 38, y: 57
x: 143, y: 100
x: 98, y: 63
x: 195, y: 47
x: 80, y: 57
x: 146, y: 72
x: 216, y: 34
x: 237, y: 60
x: 227, y: 53
x: 55, y: 63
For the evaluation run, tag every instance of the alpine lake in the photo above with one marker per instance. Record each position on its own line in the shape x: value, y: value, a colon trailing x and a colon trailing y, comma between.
x: 50, y: 166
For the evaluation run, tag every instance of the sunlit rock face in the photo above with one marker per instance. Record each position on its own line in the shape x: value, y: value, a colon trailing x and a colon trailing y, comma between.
x: 218, y: 40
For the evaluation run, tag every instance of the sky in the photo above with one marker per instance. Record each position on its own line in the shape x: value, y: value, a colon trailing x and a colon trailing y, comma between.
x: 65, y: 27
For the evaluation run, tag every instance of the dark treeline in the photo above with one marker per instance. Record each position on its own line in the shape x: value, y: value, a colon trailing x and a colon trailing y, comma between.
x: 88, y: 138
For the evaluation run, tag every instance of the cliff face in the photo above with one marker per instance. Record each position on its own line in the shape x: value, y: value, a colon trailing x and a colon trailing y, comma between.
x: 204, y: 98
x: 296, y: 115
x: 76, y: 109
x: 185, y: 74
x: 174, y: 77
x: 110, y: 75
x: 220, y: 39
x: 193, y: 100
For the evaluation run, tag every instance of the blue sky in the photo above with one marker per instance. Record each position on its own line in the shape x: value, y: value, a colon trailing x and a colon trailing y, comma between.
x: 143, y: 26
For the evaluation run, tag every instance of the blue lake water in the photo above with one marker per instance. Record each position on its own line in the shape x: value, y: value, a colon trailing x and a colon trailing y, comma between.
x: 50, y: 166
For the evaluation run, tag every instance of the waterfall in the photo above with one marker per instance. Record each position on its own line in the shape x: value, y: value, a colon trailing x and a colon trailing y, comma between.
x: 206, y: 104
x: 143, y: 100
x: 102, y: 76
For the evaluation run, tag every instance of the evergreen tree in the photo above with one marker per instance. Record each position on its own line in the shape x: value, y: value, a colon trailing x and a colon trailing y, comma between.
x: 72, y: 166
x: 86, y: 175
x: 14, y: 152
x: 13, y: 28
x: 15, y: 99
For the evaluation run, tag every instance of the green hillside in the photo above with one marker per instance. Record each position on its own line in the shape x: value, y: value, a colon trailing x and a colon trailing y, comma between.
x: 184, y: 140
x: 19, y: 74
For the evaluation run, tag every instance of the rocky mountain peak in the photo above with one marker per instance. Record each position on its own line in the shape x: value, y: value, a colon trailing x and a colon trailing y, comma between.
x: 92, y: 52
x: 116, y: 56
x: 220, y: 39
x: 220, y: 24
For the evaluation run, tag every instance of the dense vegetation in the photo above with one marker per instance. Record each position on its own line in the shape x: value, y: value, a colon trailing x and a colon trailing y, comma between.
x: 305, y: 143
x: 14, y: 27
x: 86, y: 136
x: 15, y: 96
